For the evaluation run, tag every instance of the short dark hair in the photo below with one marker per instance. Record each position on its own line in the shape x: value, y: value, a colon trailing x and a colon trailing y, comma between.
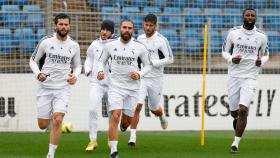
x: 151, y: 18
x: 61, y: 16
x: 128, y: 20
x: 108, y: 25
x: 248, y: 9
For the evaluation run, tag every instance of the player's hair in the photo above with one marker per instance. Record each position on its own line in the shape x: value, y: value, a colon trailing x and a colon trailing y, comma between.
x: 108, y: 25
x: 248, y: 9
x: 127, y: 20
x: 151, y: 18
x: 61, y: 16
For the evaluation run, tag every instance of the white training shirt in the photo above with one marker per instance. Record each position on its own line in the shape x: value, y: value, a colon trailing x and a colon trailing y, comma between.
x: 160, y: 53
x: 248, y: 44
x: 91, y: 63
x: 124, y: 60
x: 55, y: 58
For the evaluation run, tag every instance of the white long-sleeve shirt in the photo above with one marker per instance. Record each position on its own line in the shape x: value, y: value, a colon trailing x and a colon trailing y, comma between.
x: 249, y: 44
x: 160, y: 53
x: 55, y: 58
x: 124, y: 60
x: 91, y: 63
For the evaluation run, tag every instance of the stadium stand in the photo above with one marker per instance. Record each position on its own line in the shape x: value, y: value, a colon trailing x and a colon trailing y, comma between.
x: 180, y: 21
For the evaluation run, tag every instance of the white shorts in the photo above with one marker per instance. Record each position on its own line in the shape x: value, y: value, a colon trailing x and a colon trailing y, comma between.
x: 124, y: 99
x: 240, y: 91
x: 151, y: 87
x: 52, y: 100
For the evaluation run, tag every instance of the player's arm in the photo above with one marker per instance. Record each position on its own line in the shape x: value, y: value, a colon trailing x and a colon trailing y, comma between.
x: 227, y: 50
x: 77, y: 67
x: 167, y: 53
x: 35, y: 59
x: 89, y: 60
x: 103, y: 59
x: 263, y: 54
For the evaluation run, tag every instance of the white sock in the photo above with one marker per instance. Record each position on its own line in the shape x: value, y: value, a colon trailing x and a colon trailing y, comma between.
x: 132, y: 135
x: 236, y: 141
x: 52, y: 149
x: 113, y: 145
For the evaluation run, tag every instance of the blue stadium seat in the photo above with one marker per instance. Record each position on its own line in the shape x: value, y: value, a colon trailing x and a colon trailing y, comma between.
x: 20, y: 2
x: 273, y: 41
x: 6, y: 41
x: 31, y: 8
x: 196, y: 21
x: 212, y: 11
x: 233, y: 11
x: 173, y: 38
x: 217, y: 3
x: 200, y: 3
x: 26, y: 39
x: 192, y: 11
x: 259, y: 3
x: 193, y: 46
x: 10, y: 8
x: 110, y: 10
x: 271, y: 22
x: 138, y: 3
x: 232, y: 21
x: 171, y: 10
x: 35, y: 20
x: 190, y: 33
x: 179, y: 3
x: 130, y: 10
x: 159, y: 3
x: 176, y: 22
x: 272, y: 11
x: 41, y: 32
x: 4, y: 2
x: 238, y: 4
x: 216, y: 21
x: 275, y: 4
x: 153, y: 10
x: 224, y: 34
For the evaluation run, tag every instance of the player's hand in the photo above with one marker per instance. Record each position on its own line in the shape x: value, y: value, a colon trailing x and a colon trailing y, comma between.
x: 258, y: 62
x: 100, y: 75
x: 71, y: 79
x: 42, y: 77
x: 134, y: 75
x: 236, y: 59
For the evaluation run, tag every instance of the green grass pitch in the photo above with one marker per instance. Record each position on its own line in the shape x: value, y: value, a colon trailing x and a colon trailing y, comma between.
x: 165, y: 144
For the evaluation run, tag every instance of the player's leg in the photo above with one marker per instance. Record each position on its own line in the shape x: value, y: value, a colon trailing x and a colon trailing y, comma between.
x: 96, y: 93
x: 133, y: 125
x: 154, y: 95
x: 136, y: 117
x: 115, y: 100
x: 233, y: 86
x: 247, y: 92
x: 113, y: 130
x: 60, y: 107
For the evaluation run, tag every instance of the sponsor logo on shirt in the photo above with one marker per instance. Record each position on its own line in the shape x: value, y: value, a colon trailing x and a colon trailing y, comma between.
x: 59, y: 59
x: 124, y: 60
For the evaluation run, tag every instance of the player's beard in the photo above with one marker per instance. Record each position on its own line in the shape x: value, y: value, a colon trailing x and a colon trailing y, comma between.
x: 126, y: 36
x: 249, y: 24
x: 62, y: 33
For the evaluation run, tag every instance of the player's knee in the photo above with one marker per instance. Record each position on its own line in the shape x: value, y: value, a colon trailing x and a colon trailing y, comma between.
x: 234, y: 114
x: 57, y: 119
x: 115, y: 117
x: 43, y: 125
x: 243, y: 111
x: 138, y: 108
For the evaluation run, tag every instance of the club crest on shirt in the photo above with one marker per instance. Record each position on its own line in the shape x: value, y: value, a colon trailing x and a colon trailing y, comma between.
x: 115, y: 49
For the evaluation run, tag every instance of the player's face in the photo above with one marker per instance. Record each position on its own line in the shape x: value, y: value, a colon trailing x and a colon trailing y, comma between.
x: 105, y: 34
x: 149, y: 28
x: 126, y: 30
x: 249, y: 18
x: 62, y: 27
